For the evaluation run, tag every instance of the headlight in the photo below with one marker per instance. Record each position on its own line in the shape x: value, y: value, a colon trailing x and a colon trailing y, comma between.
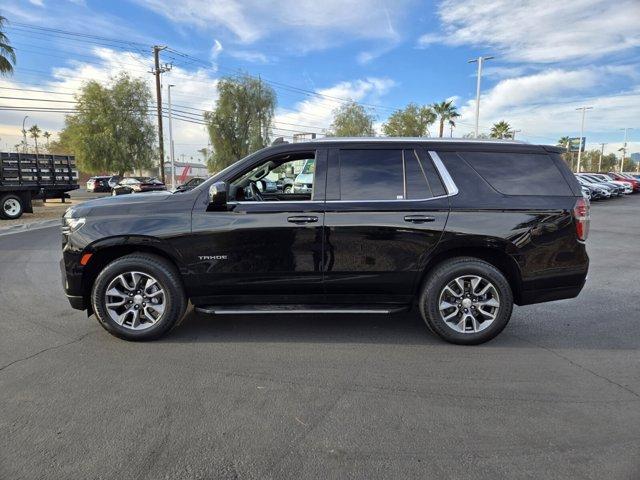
x: 70, y: 224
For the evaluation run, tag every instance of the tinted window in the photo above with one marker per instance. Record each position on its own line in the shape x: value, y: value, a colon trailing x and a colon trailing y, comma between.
x: 422, y: 179
x: 519, y: 173
x: 371, y: 175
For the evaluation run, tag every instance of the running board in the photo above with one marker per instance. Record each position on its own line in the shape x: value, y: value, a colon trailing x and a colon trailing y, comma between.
x: 294, y: 309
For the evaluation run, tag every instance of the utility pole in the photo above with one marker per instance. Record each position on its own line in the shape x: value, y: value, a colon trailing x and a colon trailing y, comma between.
x: 584, y: 109
x: 480, y: 61
x: 624, y: 147
x: 173, y: 166
x: 601, y: 154
x: 157, y: 71
x: 513, y: 134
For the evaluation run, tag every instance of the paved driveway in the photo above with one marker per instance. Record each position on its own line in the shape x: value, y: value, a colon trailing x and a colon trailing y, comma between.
x: 556, y: 395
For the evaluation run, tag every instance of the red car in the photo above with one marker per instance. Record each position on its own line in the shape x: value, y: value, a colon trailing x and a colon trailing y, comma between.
x: 624, y: 178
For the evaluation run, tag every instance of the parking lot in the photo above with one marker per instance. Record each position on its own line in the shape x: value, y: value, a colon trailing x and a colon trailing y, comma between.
x: 556, y: 395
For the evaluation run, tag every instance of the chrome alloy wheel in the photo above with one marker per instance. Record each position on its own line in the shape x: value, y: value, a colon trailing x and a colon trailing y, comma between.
x: 135, y: 300
x: 469, y: 304
x: 11, y: 207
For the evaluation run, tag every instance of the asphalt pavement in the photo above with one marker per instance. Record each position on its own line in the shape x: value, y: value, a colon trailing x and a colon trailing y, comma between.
x: 556, y: 395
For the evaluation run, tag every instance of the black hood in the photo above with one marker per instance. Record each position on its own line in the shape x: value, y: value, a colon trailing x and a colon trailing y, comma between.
x: 123, y: 204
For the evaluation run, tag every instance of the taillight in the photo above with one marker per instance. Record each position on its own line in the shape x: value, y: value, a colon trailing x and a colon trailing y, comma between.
x: 581, y: 218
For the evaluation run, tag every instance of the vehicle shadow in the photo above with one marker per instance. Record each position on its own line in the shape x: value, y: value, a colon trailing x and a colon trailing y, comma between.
x: 401, y: 328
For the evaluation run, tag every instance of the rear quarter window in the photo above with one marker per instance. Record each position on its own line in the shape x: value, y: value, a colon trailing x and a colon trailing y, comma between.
x: 519, y: 173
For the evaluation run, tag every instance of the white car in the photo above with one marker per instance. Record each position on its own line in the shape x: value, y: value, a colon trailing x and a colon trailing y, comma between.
x: 628, y: 188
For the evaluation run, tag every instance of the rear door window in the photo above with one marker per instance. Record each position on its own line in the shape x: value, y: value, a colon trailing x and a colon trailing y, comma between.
x: 519, y: 173
x: 371, y: 174
x: 387, y: 174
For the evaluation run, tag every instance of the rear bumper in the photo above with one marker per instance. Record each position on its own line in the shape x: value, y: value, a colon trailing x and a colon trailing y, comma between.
x: 558, y: 288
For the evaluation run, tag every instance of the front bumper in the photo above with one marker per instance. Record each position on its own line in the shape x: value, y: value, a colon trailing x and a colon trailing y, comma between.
x: 72, y: 285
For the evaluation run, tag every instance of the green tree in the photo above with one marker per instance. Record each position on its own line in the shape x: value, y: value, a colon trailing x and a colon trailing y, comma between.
x: 34, y: 132
x: 7, y: 53
x: 351, y: 120
x: 567, y: 156
x: 446, y: 112
x: 413, y: 121
x: 111, y: 131
x: 241, y: 121
x: 501, y: 129
x: 47, y: 136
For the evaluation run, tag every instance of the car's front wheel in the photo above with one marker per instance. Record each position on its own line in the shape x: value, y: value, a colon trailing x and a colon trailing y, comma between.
x: 138, y: 297
x: 466, y: 301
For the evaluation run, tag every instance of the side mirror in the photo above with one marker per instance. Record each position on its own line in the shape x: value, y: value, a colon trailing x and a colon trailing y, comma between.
x: 218, y: 194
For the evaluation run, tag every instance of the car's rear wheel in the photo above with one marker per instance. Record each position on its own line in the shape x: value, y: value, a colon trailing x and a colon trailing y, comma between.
x: 11, y: 207
x: 138, y: 297
x: 466, y: 301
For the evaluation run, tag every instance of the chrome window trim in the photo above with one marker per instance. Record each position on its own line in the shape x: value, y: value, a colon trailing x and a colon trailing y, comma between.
x: 449, y: 184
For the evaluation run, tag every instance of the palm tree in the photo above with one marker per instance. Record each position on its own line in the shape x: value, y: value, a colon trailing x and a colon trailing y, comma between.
x: 501, y: 130
x: 34, y: 132
x: 7, y: 53
x: 564, y: 142
x: 47, y: 135
x: 446, y: 111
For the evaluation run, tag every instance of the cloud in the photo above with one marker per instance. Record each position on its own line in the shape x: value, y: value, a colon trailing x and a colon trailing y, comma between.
x: 543, y: 105
x: 314, y: 24
x: 540, y: 32
x: 194, y: 92
x: 216, y: 50
x: 249, y: 56
x: 316, y: 113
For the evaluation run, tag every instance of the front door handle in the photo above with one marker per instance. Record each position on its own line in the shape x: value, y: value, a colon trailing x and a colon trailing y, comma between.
x: 302, y: 219
x: 419, y: 218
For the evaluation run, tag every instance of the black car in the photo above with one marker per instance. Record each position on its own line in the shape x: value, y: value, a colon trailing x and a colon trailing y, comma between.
x: 137, y: 185
x: 102, y: 183
x: 190, y: 184
x: 461, y: 229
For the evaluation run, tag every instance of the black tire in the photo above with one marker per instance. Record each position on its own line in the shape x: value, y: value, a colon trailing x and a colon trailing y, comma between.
x: 8, y: 207
x: 167, y: 276
x: 288, y: 189
x: 447, y: 272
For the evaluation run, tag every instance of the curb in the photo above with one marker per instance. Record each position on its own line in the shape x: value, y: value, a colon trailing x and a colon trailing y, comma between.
x: 26, y: 227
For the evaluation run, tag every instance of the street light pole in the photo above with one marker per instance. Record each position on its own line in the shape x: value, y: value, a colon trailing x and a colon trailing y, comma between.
x: 173, y: 166
x: 24, y: 134
x: 513, y: 134
x: 480, y: 60
x: 624, y: 147
x: 601, y: 154
x: 584, y: 110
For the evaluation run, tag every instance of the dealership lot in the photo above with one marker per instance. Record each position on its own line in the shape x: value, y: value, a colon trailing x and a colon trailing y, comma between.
x: 556, y: 395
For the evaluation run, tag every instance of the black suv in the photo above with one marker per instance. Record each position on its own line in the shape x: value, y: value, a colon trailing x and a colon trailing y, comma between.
x: 462, y: 229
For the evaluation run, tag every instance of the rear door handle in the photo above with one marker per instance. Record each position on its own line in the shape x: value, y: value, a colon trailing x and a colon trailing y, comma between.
x: 302, y: 219
x: 419, y: 218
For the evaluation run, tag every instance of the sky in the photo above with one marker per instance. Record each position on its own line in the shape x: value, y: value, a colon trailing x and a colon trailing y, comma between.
x: 550, y: 58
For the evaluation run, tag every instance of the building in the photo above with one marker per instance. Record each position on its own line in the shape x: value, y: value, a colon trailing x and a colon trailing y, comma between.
x: 185, y: 171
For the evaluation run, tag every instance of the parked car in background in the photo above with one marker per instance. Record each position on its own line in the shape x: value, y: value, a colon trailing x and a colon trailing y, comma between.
x: 598, y: 191
x: 191, y: 184
x: 626, y: 184
x: 138, y: 185
x: 303, y: 182
x: 461, y: 229
x: 635, y: 183
x: 99, y: 184
x: 586, y: 192
x: 615, y: 190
